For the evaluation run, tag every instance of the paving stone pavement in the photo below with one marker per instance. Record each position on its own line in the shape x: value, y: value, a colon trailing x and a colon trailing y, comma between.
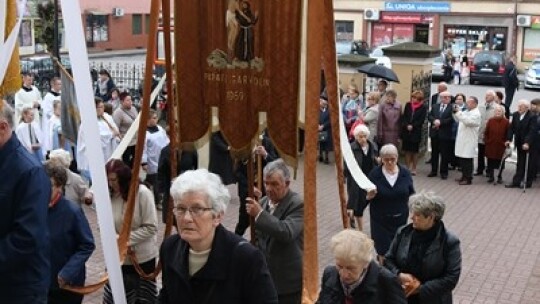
x: 498, y: 228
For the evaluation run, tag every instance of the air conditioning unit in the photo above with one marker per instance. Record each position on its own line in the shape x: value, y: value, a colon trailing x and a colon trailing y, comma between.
x: 371, y: 14
x: 523, y: 20
x: 118, y: 12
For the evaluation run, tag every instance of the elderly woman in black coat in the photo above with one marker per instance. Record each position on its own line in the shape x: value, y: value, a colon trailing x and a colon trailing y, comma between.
x: 356, y: 277
x: 424, y: 254
x: 365, y: 153
x: 204, y: 262
x: 388, y: 209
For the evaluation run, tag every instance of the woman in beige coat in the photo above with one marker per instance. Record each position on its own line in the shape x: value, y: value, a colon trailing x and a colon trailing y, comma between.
x: 143, y: 236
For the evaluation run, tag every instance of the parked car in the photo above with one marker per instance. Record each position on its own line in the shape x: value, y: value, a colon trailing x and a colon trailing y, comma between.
x: 43, y: 69
x: 377, y: 53
x: 487, y: 66
x: 532, y: 78
x: 437, y: 69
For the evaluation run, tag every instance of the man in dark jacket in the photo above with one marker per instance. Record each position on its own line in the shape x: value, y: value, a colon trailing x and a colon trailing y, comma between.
x: 221, y: 162
x: 441, y: 121
x: 268, y: 153
x: 523, y: 121
x: 25, y: 191
x: 510, y: 83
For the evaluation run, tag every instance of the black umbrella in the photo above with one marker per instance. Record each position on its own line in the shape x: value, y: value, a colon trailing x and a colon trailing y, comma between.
x: 379, y: 71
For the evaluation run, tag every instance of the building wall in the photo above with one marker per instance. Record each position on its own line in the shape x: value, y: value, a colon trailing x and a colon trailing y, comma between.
x: 491, y: 13
x: 121, y: 36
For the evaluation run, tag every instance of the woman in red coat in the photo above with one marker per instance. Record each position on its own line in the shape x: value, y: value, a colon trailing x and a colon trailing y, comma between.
x: 495, y: 137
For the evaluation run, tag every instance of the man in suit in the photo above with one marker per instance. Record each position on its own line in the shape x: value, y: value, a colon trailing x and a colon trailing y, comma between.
x: 279, y: 224
x: 441, y: 121
x: 487, y: 111
x: 523, y: 121
x: 435, y: 98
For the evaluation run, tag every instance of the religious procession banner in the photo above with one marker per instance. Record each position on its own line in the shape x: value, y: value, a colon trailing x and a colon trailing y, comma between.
x: 242, y: 57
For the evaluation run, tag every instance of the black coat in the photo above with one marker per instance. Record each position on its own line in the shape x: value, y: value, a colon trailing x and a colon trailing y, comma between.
x: 389, y: 209
x: 414, y: 118
x: 357, y: 196
x: 324, y: 120
x: 241, y: 170
x: 441, y: 265
x: 234, y: 273
x: 444, y: 132
x: 379, y: 286
x: 510, y: 79
x: 221, y: 162
x: 520, y: 130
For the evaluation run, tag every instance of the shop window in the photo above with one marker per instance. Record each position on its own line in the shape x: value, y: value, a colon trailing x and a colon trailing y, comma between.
x: 97, y: 28
x: 136, y: 24
x: 531, y: 44
x: 471, y: 39
x: 344, y: 30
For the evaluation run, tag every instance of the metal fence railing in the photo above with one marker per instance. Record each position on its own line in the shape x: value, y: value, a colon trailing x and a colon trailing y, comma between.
x: 126, y: 76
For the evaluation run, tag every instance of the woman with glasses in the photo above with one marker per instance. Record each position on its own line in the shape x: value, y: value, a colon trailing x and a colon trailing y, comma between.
x: 204, y: 262
x: 388, y: 207
x: 142, y: 239
x: 356, y: 277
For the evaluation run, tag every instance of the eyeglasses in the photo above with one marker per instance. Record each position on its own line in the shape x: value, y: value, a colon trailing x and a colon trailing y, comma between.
x: 389, y: 159
x: 195, y: 211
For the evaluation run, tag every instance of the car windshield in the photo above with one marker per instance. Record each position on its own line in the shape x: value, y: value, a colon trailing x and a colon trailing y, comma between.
x: 535, y: 65
x: 487, y: 57
x: 438, y: 59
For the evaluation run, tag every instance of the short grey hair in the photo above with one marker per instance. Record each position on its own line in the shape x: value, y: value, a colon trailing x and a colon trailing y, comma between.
x: 204, y: 182
x: 427, y: 204
x: 389, y: 150
x: 6, y: 113
x: 61, y: 156
x: 361, y: 129
x: 352, y: 246
x: 524, y: 102
x: 277, y: 166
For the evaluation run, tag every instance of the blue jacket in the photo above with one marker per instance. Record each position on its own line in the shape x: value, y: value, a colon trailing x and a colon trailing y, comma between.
x: 72, y: 243
x: 25, y: 192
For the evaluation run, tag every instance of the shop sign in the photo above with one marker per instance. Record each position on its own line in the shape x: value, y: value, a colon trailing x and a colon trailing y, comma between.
x: 402, y: 18
x: 432, y: 7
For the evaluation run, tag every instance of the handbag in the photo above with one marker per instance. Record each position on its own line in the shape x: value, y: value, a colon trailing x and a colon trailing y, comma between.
x: 323, y: 136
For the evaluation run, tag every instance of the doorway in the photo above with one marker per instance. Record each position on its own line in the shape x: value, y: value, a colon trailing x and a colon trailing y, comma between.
x: 421, y: 33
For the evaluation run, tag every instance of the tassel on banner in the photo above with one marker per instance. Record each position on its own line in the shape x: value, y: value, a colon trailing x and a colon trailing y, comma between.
x: 12, y: 79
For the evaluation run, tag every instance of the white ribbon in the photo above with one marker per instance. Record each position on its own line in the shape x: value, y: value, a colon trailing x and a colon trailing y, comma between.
x: 83, y: 87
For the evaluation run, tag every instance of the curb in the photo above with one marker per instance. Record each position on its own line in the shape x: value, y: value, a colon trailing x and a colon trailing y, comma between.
x: 102, y: 54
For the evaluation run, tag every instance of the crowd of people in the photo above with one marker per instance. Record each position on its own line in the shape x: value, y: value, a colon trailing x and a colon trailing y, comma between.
x: 418, y: 262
